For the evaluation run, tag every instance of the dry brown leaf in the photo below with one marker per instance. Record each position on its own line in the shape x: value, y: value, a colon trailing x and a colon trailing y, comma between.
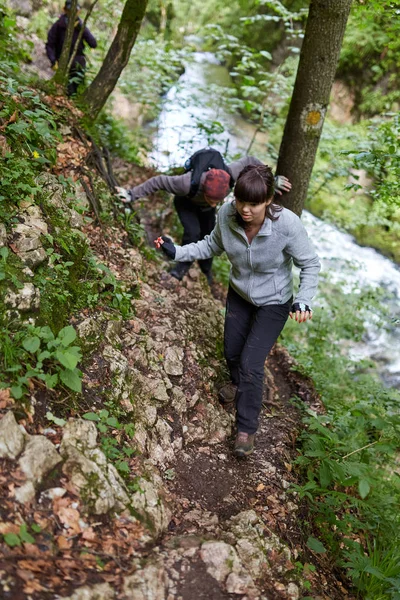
x: 70, y: 518
x: 9, y: 528
x: 25, y: 574
x: 64, y: 543
x: 260, y: 487
x: 33, y: 586
x: 33, y: 565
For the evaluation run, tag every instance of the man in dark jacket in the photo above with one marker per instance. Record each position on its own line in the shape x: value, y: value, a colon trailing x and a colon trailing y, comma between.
x: 55, y: 41
x: 197, y: 214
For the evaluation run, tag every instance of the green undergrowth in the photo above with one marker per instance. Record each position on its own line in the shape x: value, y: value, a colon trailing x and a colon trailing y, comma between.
x: 71, y: 278
x: 348, y: 456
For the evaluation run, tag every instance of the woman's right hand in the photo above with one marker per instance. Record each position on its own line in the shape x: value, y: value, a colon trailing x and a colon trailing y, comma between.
x: 166, y: 245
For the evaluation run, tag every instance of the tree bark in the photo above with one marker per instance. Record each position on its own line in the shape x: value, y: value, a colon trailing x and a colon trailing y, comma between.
x: 95, y: 96
x: 319, y: 55
x: 61, y: 75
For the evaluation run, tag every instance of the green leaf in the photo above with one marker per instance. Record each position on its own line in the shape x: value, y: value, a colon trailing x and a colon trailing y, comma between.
x: 113, y: 422
x: 51, y: 381
x: 67, y: 335
x: 4, y: 252
x: 104, y: 413
x: 2, y: 275
x: 72, y: 379
x: 363, y: 488
x: 325, y: 476
x: 31, y: 344
x: 43, y: 355
x: 17, y: 392
x: 12, y: 539
x: 315, y: 545
x: 123, y: 466
x: 102, y: 428
x: 56, y: 420
x: 66, y: 358
x: 36, y: 528
x: 25, y: 536
x: 91, y: 416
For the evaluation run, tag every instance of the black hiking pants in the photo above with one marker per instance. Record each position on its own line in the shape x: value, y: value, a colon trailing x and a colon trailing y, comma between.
x: 197, y: 222
x: 250, y: 333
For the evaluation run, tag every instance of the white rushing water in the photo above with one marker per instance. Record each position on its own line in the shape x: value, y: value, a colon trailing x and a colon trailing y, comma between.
x: 177, y: 135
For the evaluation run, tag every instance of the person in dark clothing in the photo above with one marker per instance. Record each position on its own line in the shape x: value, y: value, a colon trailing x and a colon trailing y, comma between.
x: 55, y: 41
x: 262, y: 241
x: 197, y: 213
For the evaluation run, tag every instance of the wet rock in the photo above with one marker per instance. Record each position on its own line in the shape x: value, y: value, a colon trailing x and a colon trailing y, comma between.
x: 149, y: 583
x: 173, y: 364
x: 148, y: 502
x: 12, y: 439
x: 26, y: 299
x: 39, y: 457
x: 98, y: 482
x: 220, y: 559
x: 100, y: 591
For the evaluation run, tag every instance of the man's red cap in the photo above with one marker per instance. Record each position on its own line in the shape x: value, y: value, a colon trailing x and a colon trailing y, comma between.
x: 216, y: 184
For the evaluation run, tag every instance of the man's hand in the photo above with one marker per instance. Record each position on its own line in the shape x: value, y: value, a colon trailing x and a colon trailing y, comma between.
x: 166, y: 245
x: 282, y: 184
x: 54, y: 66
x: 123, y: 194
x: 300, y: 312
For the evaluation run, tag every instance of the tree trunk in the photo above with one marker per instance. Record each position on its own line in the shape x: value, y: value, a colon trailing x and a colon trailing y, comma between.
x: 320, y: 51
x: 95, y: 96
x: 62, y: 73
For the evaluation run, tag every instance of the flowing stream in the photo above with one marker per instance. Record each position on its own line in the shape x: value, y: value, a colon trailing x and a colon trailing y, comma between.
x: 195, y: 115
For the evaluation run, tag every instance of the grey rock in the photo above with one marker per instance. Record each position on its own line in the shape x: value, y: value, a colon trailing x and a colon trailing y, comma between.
x: 241, y: 584
x: 80, y: 433
x: 26, y: 299
x: 12, y: 439
x: 3, y: 235
x: 100, y: 591
x: 149, y: 583
x: 97, y: 481
x: 113, y: 331
x: 25, y: 493
x: 293, y: 591
x: 22, y: 7
x: 148, y: 502
x: 39, y: 457
x: 89, y: 331
x: 173, y: 364
x: 220, y: 559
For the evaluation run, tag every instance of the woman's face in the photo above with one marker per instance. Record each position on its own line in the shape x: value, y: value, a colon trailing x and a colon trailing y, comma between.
x: 252, y: 213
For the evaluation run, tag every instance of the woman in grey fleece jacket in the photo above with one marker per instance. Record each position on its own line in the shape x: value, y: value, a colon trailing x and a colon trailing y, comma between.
x: 262, y: 241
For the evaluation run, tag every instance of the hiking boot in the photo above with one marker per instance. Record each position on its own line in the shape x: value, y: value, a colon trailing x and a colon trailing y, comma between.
x: 244, y: 444
x: 180, y: 270
x: 227, y: 393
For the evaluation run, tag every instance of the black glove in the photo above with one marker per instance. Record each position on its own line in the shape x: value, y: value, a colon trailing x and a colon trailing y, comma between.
x: 301, y: 307
x: 168, y: 247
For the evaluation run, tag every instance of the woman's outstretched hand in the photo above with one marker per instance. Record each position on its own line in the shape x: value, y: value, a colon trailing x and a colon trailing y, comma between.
x: 123, y: 194
x: 300, y: 312
x: 166, y: 245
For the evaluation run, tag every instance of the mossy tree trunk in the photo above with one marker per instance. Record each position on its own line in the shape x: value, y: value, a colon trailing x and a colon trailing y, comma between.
x: 319, y: 55
x: 95, y: 96
x: 61, y: 75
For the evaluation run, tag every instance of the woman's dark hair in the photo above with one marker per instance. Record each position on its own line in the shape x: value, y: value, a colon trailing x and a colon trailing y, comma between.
x: 255, y: 185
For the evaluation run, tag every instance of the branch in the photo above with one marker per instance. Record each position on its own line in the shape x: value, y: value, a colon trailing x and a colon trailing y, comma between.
x: 80, y: 35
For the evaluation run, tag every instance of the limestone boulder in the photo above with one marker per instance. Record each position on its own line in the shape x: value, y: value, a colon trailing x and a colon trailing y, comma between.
x: 3, y: 235
x: 98, y: 482
x: 100, y: 591
x: 26, y: 299
x: 220, y: 559
x: 148, y: 502
x: 39, y: 457
x: 173, y: 363
x: 148, y: 583
x: 12, y: 439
